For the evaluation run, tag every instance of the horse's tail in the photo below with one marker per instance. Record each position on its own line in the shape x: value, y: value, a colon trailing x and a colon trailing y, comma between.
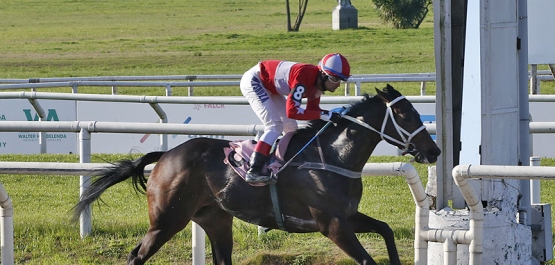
x: 114, y: 174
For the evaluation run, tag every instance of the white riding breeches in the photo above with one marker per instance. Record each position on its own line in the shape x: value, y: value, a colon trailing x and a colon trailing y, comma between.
x: 270, y: 108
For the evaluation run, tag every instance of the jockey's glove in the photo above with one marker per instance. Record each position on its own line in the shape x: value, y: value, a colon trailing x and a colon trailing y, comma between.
x: 327, y: 115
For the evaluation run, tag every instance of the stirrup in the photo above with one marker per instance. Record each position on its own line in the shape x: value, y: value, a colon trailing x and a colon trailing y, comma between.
x: 254, y: 178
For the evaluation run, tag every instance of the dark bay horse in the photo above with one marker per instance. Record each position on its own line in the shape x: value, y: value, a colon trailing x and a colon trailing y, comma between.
x: 191, y: 182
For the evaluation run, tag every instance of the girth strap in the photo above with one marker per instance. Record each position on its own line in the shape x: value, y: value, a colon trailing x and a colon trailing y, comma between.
x: 338, y: 170
x: 328, y: 167
x: 275, y: 204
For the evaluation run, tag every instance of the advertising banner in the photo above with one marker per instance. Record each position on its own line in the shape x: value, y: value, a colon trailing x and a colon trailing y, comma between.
x: 28, y: 142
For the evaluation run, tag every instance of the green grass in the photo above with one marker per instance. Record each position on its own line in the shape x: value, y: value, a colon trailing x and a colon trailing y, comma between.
x: 115, y: 38
x: 183, y: 37
x: 60, y: 38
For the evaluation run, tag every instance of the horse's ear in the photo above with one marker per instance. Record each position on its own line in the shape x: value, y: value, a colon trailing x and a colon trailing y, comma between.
x: 384, y: 96
x: 390, y: 88
x: 392, y: 92
x: 378, y: 92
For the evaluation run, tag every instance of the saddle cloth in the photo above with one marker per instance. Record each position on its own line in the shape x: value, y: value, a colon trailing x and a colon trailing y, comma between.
x: 238, y: 154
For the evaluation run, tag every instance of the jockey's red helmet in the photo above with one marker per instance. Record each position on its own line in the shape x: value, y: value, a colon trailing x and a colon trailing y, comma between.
x: 334, y: 64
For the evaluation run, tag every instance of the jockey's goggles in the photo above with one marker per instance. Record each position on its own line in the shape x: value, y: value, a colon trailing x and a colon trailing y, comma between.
x: 333, y: 79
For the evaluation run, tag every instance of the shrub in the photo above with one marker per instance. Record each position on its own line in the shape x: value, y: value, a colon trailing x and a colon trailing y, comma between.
x: 403, y: 14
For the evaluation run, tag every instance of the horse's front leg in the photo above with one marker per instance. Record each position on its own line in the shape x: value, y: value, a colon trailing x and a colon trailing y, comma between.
x: 338, y: 230
x: 364, y: 224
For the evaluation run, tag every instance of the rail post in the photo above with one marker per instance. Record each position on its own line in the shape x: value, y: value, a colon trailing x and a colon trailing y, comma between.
x: 85, y: 223
x: 6, y: 227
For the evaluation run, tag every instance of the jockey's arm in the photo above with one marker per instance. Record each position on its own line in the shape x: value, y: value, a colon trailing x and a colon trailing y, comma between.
x: 294, y: 108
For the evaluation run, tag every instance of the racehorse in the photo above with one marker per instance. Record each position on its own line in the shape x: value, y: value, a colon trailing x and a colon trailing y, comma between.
x: 191, y: 182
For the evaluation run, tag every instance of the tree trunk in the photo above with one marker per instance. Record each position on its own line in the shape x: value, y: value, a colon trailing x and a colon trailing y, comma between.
x: 302, y: 9
x: 288, y: 15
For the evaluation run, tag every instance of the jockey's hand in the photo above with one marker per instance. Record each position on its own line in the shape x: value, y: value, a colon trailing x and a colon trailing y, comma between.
x: 330, y: 116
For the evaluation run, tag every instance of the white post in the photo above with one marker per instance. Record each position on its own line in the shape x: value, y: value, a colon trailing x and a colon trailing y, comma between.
x: 6, y: 227
x: 199, y: 252
x: 534, y: 79
x: 450, y: 251
x: 535, y: 183
x: 190, y: 89
x: 422, y: 88
x: 357, y: 88
x: 85, y: 223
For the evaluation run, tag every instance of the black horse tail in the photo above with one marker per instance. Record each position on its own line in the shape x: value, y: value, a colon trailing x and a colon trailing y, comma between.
x: 115, y: 174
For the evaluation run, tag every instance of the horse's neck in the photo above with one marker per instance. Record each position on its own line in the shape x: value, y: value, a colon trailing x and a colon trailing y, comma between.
x: 355, y: 143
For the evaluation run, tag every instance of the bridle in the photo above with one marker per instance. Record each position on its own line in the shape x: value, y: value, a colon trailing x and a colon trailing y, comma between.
x: 408, y: 146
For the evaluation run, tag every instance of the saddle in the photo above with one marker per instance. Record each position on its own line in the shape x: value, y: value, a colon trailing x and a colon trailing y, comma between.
x: 238, y: 154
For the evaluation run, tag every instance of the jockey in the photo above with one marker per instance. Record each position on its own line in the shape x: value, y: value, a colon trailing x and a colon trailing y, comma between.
x: 274, y: 89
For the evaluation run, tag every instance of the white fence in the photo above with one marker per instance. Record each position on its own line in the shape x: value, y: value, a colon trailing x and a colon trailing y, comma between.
x: 147, y: 81
x: 193, y: 81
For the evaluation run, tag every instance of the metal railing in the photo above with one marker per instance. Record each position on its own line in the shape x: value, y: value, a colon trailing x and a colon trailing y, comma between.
x: 224, y: 80
x: 193, y: 81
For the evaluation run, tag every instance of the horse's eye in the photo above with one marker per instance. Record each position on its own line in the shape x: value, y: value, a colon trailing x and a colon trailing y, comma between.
x: 405, y: 116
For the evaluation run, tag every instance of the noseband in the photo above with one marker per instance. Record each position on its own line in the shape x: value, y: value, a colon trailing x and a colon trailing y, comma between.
x: 405, y: 136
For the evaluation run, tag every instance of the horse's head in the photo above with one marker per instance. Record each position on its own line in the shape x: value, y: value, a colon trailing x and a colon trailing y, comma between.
x: 405, y: 129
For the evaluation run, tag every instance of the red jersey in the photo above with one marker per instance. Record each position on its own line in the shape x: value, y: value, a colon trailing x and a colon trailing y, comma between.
x: 296, y: 81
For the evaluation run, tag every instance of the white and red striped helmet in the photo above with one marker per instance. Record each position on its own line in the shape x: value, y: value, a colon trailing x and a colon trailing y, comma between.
x: 335, y: 64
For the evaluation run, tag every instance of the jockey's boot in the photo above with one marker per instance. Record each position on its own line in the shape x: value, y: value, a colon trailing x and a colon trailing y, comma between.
x: 254, y: 174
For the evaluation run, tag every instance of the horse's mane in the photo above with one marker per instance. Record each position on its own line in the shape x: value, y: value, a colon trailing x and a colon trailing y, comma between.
x: 355, y: 109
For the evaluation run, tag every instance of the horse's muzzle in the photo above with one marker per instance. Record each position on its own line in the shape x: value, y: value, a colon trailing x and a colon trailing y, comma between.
x: 425, y: 157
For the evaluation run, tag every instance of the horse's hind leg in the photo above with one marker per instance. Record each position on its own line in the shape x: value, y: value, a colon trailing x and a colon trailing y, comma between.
x: 364, y: 224
x: 218, y: 225
x: 154, y: 239
x: 168, y: 215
